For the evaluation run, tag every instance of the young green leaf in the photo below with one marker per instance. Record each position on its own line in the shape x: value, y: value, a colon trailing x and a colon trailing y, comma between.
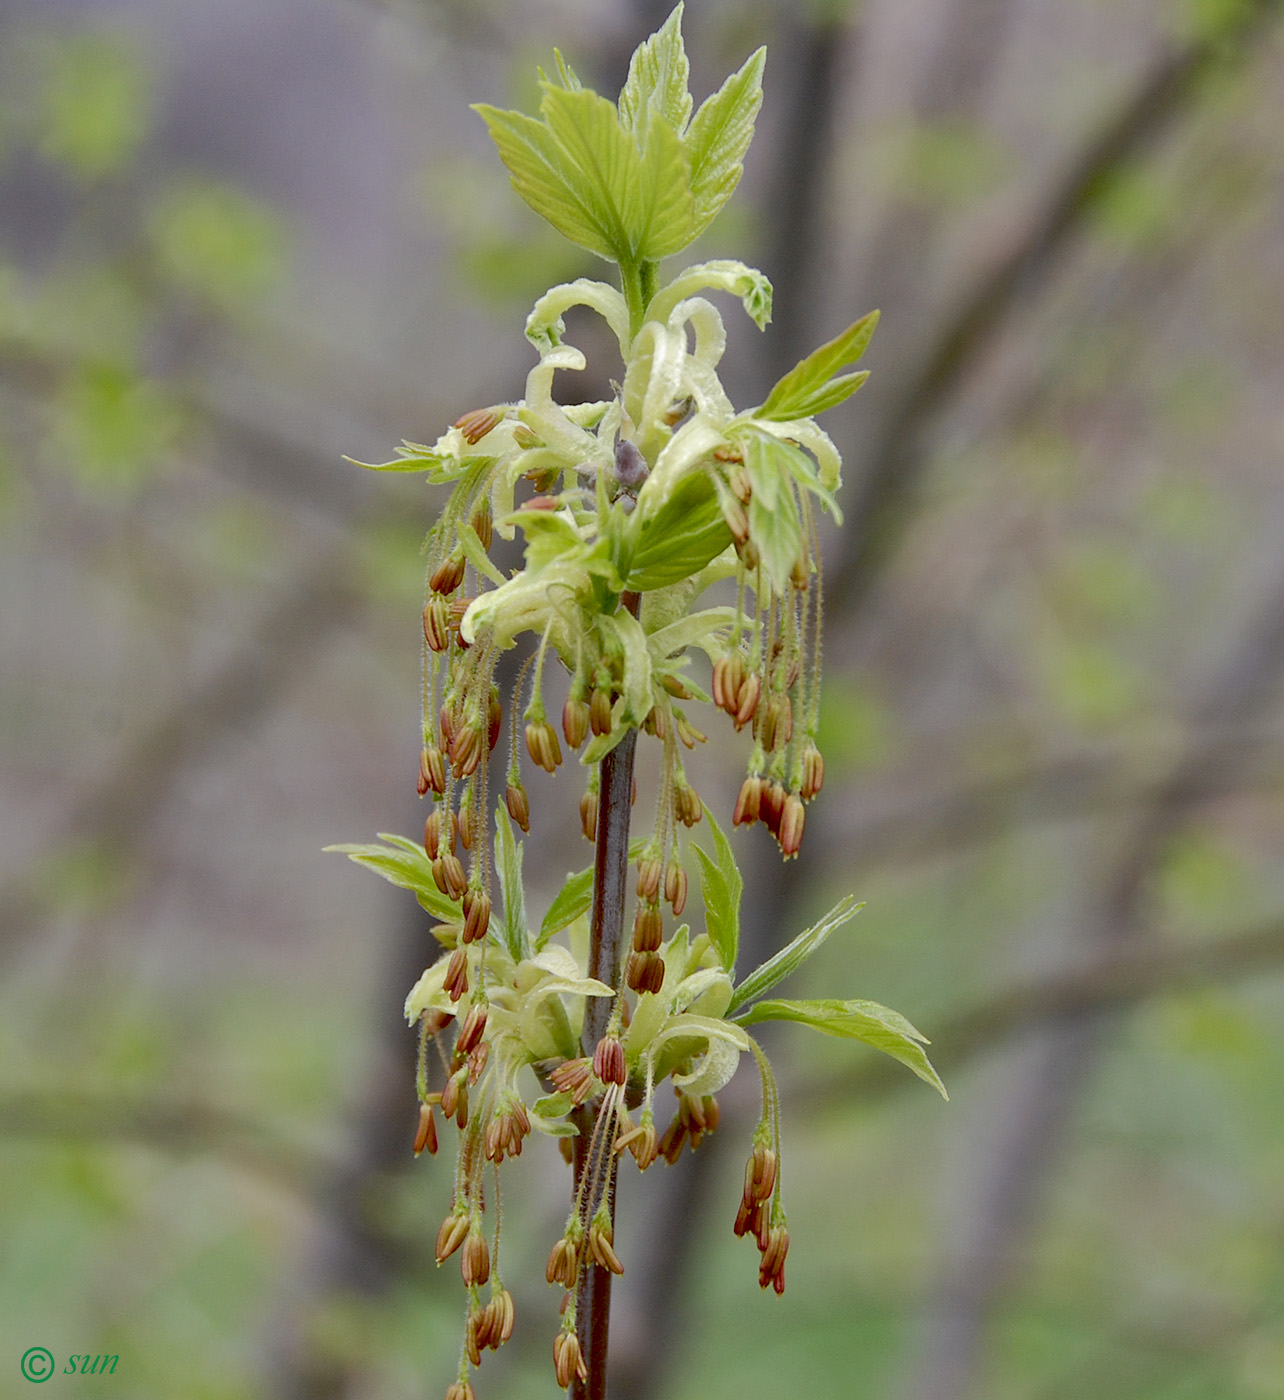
x: 719, y: 136
x: 811, y: 387
x: 777, y: 532
x: 666, y: 220
x: 791, y: 957
x: 575, y: 898
x: 406, y: 865
x: 658, y: 76
x: 876, y: 1025
x: 509, y: 861
x: 721, y: 886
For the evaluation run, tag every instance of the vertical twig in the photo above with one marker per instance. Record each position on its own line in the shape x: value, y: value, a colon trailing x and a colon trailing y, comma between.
x: 610, y: 874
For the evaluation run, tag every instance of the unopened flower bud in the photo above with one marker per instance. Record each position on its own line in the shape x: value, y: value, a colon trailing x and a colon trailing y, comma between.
x: 600, y: 710
x: 648, y: 928
x: 426, y: 1134
x: 588, y: 815
x: 575, y: 722
x: 675, y: 886
x: 437, y: 623
x: 541, y: 741
x: 608, y: 1060
x: 476, y: 915
x: 473, y: 1029
x: 449, y: 574
x: 518, y: 807
x: 791, y: 825
x: 630, y: 466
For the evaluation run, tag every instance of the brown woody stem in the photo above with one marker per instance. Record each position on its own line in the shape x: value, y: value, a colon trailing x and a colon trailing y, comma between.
x: 610, y: 879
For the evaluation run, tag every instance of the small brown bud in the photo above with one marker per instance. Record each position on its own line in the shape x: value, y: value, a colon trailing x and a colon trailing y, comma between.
x: 813, y: 772
x: 432, y: 834
x: 454, y: 1098
x: 728, y: 677
x: 437, y: 623
x: 446, y: 726
x: 676, y: 687
x: 648, y: 928
x: 588, y: 815
x: 575, y: 722
x: 476, y: 423
x: 778, y: 725
x: 645, y: 972
x: 465, y: 751
x: 494, y: 720
x: 748, y: 802
x: 568, y: 1362
x: 771, y: 1268
x: 541, y: 741
x: 449, y: 574
x: 451, y: 1235
x: 476, y: 915
x: 675, y: 886
x: 772, y: 806
x: 473, y: 1029
x: 608, y: 1060
x: 575, y: 1077
x: 601, y: 1245
x: 600, y: 710
x: 426, y: 1134
x: 456, y: 983
x: 687, y: 806
x: 649, y: 872
x: 747, y: 702
x: 518, y: 807
x: 474, y: 1262
x: 791, y: 825
x: 760, y: 1175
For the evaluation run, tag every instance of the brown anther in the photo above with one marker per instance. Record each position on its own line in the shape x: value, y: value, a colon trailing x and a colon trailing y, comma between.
x: 727, y: 453
x: 467, y: 827
x: 712, y: 1113
x: 426, y: 1133
x: 456, y: 983
x: 453, y: 881
x: 689, y: 734
x: 676, y: 688
x: 687, y: 806
x: 657, y: 722
x: 454, y: 1098
x: 563, y: 1263
x: 575, y: 1077
x: 568, y: 1362
x: 813, y: 772
x: 448, y: 575
x: 451, y: 1235
x: 737, y: 519
x: 477, y: 1062
x: 677, y: 411
x: 432, y: 770
x: 437, y: 623
x: 476, y: 915
x: 648, y: 928
x: 525, y: 437
x: 473, y: 1029
x: 494, y: 720
x: 741, y: 484
x: 608, y: 1060
x: 760, y: 1173
x: 575, y: 722
x: 446, y: 726
x: 465, y: 751
x: 541, y: 742
x: 600, y: 710
x: 746, y: 1213
x: 588, y: 815
x: 645, y: 972
x: 728, y: 677
x: 649, y: 873
x: 675, y: 886
x: 432, y: 835
x: 476, y: 1334
x: 791, y: 825
x: 474, y: 1262
x: 644, y: 1146
x: 542, y: 503
x: 772, y: 806
x: 483, y: 523
x: 771, y: 1268
x: 777, y: 724
x: 747, y: 700
x: 601, y: 1246
x: 460, y: 1390
x: 476, y: 423
x: 748, y: 802
x: 518, y: 806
